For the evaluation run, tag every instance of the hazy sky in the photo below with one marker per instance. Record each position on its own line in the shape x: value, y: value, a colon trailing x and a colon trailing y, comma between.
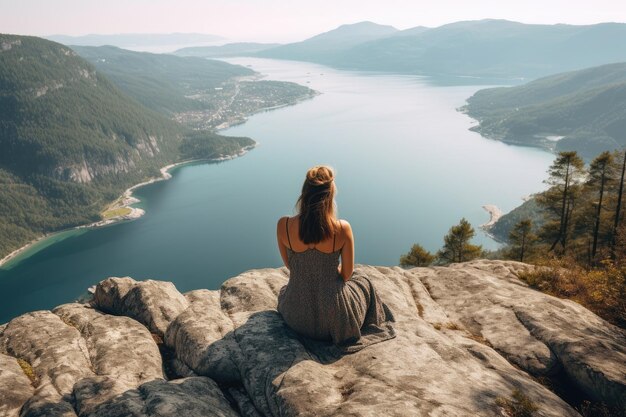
x: 281, y: 20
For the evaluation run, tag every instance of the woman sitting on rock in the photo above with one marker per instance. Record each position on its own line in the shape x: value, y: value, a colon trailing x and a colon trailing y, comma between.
x: 324, y: 300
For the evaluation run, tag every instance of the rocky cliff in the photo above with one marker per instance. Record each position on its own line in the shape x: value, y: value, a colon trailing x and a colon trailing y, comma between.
x: 471, y: 338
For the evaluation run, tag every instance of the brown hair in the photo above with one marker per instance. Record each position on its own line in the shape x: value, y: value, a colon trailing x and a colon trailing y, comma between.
x: 316, y: 205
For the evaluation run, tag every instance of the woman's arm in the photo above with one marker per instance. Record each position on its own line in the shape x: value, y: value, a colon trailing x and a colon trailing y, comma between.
x: 347, y: 252
x: 280, y: 238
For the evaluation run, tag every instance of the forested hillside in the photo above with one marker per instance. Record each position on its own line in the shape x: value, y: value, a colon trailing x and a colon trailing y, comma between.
x: 70, y: 141
x: 196, y: 92
x: 159, y: 81
x: 581, y: 110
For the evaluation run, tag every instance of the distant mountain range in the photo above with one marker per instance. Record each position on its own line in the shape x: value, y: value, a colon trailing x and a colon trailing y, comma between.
x: 231, y: 49
x: 582, y: 110
x: 329, y: 47
x: 490, y: 48
x: 483, y: 48
x: 136, y: 39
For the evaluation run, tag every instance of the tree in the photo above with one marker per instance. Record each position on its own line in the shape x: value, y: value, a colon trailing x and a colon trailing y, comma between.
x: 457, y: 246
x: 566, y: 173
x: 620, y: 193
x: 521, y: 238
x: 599, y: 178
x: 417, y: 256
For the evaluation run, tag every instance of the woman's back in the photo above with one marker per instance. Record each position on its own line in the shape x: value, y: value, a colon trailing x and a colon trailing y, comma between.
x: 311, y: 298
x: 323, y: 300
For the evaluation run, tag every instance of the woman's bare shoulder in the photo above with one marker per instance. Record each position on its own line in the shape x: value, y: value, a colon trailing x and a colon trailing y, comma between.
x: 344, y: 226
x: 344, y: 222
x: 281, y: 221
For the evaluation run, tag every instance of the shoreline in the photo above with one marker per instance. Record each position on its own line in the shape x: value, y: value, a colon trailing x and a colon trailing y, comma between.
x: 494, y: 215
x: 126, y: 200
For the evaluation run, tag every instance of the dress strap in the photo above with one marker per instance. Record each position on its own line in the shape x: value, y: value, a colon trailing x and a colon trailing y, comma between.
x: 287, y: 229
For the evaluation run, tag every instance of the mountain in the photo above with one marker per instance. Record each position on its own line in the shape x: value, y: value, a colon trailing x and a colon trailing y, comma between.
x: 483, y: 48
x: 136, y: 39
x: 582, y: 110
x: 161, y: 82
x: 472, y: 340
x: 71, y: 141
x: 230, y: 49
x: 199, y: 93
x: 327, y: 47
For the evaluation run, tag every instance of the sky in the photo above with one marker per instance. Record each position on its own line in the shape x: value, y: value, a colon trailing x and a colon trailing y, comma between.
x: 281, y: 20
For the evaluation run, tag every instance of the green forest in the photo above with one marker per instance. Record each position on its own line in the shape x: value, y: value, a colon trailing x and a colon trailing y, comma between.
x: 161, y: 82
x: 586, y: 109
x: 71, y: 141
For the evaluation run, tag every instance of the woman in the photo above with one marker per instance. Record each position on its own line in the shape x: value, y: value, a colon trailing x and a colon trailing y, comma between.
x: 323, y: 299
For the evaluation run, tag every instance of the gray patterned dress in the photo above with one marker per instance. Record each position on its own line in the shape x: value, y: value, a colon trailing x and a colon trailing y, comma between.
x: 318, y: 304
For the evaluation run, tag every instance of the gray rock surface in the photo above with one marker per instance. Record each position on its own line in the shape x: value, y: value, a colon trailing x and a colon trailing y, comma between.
x: 468, y: 335
x: 58, y: 356
x: 194, y: 333
x: 152, y: 303
x: 538, y: 333
x: 15, y: 387
x: 188, y: 397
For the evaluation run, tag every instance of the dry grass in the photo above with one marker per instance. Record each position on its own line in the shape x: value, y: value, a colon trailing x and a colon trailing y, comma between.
x: 519, y: 405
x: 116, y: 212
x: 28, y: 371
x: 601, y: 289
x: 453, y: 326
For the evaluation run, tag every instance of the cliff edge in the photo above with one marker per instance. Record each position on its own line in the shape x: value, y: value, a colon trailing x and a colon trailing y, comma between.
x: 470, y: 336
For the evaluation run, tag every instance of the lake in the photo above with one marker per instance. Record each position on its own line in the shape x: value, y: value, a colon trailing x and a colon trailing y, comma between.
x: 407, y: 169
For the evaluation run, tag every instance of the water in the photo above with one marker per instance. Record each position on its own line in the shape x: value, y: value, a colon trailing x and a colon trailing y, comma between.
x: 407, y: 169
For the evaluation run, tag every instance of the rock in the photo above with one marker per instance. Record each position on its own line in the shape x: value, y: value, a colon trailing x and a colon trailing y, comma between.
x: 535, y: 331
x: 15, y: 386
x: 109, y: 294
x: 56, y: 351
x: 153, y: 303
x: 422, y: 372
x: 189, y: 397
x: 468, y: 336
x: 46, y: 401
x: 89, y: 363
x: 119, y: 347
x: 193, y: 335
x: 58, y: 356
x: 253, y: 290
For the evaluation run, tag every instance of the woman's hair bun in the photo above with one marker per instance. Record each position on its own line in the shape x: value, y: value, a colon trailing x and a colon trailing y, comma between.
x: 320, y: 175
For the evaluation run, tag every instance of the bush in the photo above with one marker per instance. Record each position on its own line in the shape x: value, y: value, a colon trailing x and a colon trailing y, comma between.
x: 601, y: 289
x: 417, y: 256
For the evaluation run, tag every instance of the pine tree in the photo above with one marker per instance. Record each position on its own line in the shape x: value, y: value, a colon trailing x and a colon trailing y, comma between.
x: 617, y: 217
x: 457, y: 246
x: 417, y: 256
x: 559, y: 201
x: 521, y: 239
x: 599, y: 179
